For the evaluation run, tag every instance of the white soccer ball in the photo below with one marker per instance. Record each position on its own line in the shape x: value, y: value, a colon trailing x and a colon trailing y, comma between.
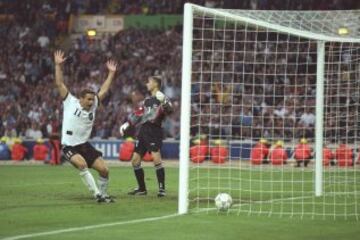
x: 223, y: 201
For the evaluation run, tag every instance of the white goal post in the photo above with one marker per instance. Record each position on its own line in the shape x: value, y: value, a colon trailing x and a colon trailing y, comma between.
x: 269, y: 67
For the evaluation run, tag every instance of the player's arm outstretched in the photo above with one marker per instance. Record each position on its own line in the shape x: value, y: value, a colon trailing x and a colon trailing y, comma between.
x: 111, y: 66
x: 140, y: 115
x: 59, y: 79
x: 133, y: 119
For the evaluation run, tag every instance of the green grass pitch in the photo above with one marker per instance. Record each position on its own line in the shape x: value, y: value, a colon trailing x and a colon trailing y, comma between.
x: 41, y: 199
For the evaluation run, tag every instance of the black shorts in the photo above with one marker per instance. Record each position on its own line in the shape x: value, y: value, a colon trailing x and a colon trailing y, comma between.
x: 86, y: 150
x: 149, y: 139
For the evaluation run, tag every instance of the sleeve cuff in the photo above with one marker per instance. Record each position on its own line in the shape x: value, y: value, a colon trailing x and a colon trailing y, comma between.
x: 98, y: 100
x: 67, y: 94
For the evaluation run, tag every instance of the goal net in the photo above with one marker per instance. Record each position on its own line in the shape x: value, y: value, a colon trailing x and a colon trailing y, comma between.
x: 277, y: 77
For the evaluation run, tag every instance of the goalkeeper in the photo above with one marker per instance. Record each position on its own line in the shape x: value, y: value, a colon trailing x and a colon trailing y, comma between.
x: 149, y: 116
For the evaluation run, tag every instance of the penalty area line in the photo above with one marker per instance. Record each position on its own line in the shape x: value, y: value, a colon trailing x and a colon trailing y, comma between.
x: 75, y: 229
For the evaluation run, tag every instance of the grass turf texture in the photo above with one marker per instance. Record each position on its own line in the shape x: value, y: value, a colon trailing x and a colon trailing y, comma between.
x: 45, y: 198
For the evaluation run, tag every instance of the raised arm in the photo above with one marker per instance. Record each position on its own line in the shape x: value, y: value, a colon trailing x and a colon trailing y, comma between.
x: 111, y: 65
x: 59, y: 80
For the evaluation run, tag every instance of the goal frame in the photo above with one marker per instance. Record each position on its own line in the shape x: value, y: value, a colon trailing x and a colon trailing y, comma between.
x: 184, y: 161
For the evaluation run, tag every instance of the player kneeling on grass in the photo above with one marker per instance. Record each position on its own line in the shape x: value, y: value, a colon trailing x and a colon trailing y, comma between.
x: 150, y: 117
x: 78, y: 121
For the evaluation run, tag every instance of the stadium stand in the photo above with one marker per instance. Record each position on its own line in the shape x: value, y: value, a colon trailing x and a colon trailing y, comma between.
x: 31, y: 30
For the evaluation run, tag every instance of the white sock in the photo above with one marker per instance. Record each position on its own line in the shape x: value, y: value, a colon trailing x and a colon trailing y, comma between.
x: 88, y: 179
x: 103, y: 185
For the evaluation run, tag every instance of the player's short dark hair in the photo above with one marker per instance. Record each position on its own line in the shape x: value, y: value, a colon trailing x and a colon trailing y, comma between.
x: 86, y: 91
x: 157, y: 79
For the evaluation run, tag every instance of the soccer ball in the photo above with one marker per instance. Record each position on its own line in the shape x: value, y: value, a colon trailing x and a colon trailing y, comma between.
x: 223, y: 201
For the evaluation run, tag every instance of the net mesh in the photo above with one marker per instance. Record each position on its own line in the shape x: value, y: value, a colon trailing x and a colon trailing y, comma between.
x: 251, y: 83
x: 316, y: 22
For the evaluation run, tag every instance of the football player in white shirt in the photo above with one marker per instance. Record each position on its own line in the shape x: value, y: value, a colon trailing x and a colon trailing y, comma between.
x: 78, y: 120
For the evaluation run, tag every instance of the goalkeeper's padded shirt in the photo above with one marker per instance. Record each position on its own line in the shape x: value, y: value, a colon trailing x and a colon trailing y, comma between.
x: 151, y: 111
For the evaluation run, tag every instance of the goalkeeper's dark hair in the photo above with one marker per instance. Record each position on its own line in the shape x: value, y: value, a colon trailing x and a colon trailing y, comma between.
x: 158, y: 80
x: 86, y: 91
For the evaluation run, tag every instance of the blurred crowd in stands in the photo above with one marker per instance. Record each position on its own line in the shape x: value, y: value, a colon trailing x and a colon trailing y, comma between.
x: 66, y: 7
x: 30, y: 106
x: 264, y: 85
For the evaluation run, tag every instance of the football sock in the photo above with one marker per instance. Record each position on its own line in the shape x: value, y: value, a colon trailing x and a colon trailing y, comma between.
x: 88, y: 179
x: 139, y: 174
x: 103, y: 185
x: 160, y: 173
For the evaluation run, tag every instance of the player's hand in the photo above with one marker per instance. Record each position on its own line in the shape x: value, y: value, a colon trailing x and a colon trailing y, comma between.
x: 111, y: 65
x: 59, y: 57
x: 160, y: 96
x: 123, y: 128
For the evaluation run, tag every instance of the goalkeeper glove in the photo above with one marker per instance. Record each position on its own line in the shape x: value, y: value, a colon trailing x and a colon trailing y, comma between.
x: 160, y: 96
x: 123, y: 128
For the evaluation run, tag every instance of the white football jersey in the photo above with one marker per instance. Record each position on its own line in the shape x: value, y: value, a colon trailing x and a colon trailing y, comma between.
x: 77, y: 123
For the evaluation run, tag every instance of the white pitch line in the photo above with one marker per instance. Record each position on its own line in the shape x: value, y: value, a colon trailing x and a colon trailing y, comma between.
x: 37, y: 184
x: 66, y: 230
